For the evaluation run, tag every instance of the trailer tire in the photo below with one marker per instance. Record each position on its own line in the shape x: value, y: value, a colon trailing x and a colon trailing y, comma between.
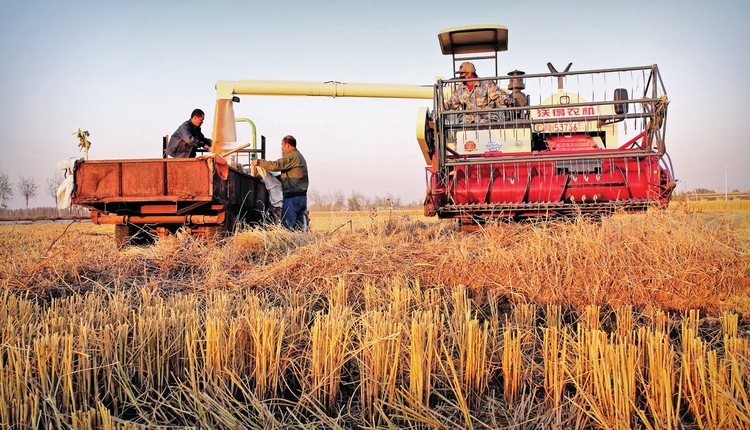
x: 130, y: 234
x: 122, y: 236
x: 214, y: 233
x: 230, y: 223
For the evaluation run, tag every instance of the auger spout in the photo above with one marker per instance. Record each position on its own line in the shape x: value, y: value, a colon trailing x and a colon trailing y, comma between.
x: 226, y: 92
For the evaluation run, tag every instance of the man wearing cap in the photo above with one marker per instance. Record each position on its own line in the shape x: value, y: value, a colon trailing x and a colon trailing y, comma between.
x: 474, y: 94
x: 294, y: 183
x: 188, y: 137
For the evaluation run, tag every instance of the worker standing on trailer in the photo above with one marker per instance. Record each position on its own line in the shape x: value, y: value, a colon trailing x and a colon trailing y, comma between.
x: 474, y: 94
x: 294, y: 182
x: 186, y: 140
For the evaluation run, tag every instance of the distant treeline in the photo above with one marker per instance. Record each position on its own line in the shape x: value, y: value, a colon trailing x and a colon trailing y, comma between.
x: 706, y: 194
x: 44, y: 213
x: 337, y: 201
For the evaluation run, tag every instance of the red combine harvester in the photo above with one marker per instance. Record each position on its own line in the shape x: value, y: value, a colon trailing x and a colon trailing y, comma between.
x: 567, y: 144
x: 570, y: 143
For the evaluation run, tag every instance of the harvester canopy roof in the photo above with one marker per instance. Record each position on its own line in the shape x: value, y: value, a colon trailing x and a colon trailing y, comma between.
x: 473, y: 38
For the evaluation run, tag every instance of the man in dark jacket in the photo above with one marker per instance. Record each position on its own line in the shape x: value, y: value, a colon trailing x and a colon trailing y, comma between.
x: 294, y: 182
x: 188, y: 137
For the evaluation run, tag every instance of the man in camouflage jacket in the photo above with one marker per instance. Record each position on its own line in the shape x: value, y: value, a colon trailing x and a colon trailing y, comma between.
x: 473, y: 94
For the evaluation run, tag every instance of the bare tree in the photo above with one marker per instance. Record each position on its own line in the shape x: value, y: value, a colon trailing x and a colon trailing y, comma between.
x: 320, y: 201
x: 327, y: 202
x: 27, y: 188
x: 357, y: 201
x: 337, y: 201
x: 395, y: 202
x: 52, y: 184
x: 6, y: 189
x: 314, y: 197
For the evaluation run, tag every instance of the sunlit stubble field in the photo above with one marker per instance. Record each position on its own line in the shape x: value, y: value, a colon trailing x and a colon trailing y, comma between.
x: 383, y: 319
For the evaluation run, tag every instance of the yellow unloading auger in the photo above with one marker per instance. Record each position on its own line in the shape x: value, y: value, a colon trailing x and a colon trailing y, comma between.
x: 227, y: 92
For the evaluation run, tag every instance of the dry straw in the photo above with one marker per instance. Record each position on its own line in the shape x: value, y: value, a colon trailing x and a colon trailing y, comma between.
x: 631, y: 322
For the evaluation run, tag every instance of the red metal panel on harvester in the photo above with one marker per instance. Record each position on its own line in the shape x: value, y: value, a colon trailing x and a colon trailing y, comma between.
x: 616, y: 179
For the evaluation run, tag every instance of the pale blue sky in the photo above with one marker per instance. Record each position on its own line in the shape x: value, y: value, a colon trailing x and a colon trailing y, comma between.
x: 131, y: 72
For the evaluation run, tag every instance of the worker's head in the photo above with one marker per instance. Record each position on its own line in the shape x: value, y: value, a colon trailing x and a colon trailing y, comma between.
x: 197, y: 117
x: 467, y: 70
x: 288, y: 143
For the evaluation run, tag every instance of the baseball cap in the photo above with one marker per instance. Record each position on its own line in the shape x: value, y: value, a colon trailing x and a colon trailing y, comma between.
x: 467, y: 67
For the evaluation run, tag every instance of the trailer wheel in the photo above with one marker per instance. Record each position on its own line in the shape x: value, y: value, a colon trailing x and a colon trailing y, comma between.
x: 122, y: 237
x: 218, y: 232
x: 230, y: 222
x: 214, y: 233
x: 132, y: 235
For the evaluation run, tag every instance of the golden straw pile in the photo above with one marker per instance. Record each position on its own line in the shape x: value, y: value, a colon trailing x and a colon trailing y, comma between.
x: 636, y: 321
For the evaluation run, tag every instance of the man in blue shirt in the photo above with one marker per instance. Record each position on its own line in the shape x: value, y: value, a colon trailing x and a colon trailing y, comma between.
x: 188, y: 137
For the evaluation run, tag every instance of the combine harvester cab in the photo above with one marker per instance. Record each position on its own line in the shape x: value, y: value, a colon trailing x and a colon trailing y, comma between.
x: 567, y: 143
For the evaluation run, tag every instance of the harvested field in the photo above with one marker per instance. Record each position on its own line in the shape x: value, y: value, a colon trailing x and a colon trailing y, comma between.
x: 383, y: 319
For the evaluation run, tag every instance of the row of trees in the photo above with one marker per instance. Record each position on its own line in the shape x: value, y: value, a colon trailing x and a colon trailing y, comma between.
x: 26, y: 188
x: 681, y: 196
x: 337, y: 201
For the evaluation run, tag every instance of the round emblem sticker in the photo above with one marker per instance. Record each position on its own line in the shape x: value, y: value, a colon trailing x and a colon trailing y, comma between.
x: 470, y: 146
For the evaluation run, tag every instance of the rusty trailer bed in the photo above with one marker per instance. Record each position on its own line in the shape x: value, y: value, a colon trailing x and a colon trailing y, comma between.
x: 163, y: 195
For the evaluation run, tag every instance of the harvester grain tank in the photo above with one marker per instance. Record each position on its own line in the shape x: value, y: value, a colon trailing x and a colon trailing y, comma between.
x: 567, y: 143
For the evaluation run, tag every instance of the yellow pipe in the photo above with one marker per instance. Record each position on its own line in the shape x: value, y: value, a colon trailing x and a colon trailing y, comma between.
x: 225, y: 89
